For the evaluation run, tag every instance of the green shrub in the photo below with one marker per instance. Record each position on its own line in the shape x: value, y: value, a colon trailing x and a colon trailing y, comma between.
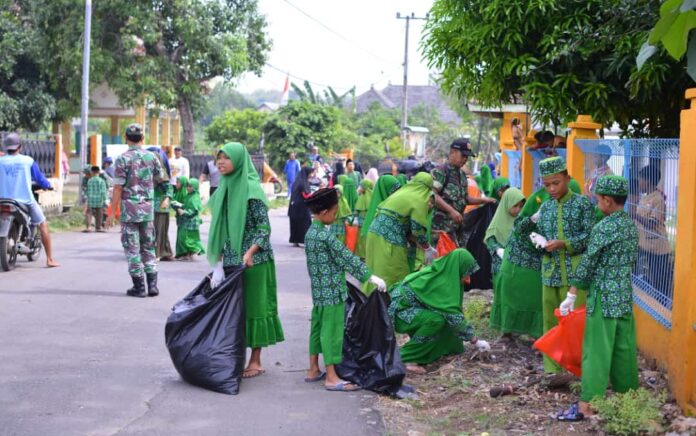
x: 634, y: 412
x: 476, y: 312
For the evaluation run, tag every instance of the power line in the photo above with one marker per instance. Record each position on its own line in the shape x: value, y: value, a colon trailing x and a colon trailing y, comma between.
x: 305, y: 80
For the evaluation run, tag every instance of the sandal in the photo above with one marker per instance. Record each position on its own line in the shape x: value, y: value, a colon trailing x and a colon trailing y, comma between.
x: 251, y: 373
x: 320, y: 377
x: 573, y: 414
x: 343, y: 386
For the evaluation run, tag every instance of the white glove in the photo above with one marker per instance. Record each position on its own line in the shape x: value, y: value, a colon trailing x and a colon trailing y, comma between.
x: 218, y: 275
x: 482, y: 346
x: 568, y: 304
x: 536, y: 216
x: 538, y: 240
x: 429, y: 255
x: 381, y: 284
x: 500, y: 252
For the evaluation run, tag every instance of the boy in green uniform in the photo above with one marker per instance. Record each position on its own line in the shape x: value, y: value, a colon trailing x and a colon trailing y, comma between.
x: 564, y: 224
x: 609, y: 343
x: 97, y: 194
x: 327, y: 262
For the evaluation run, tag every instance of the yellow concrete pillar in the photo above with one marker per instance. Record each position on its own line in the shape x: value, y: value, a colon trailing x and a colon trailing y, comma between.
x: 140, y: 115
x: 527, y: 165
x: 176, y: 132
x: 58, y: 167
x: 153, y: 130
x: 506, y: 142
x: 114, y: 127
x: 583, y: 128
x: 66, y: 131
x: 95, y: 154
x: 682, y: 363
x: 166, y: 135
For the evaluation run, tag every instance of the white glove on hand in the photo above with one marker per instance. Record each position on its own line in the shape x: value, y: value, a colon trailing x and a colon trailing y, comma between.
x: 381, y: 284
x: 500, y: 252
x: 430, y: 254
x: 538, y: 240
x: 482, y: 346
x: 536, y: 216
x: 567, y: 304
x: 218, y: 275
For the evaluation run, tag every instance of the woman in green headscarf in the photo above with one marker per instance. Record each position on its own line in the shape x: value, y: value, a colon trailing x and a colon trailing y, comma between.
x: 188, y: 223
x: 361, y: 207
x: 485, y: 180
x: 499, y: 229
x: 240, y: 235
x: 181, y: 192
x: 386, y: 185
x: 343, y: 216
x: 402, y: 218
x: 350, y: 190
x: 427, y: 305
x: 500, y: 184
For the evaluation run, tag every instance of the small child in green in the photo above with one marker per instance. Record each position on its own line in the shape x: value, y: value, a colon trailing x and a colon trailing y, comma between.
x: 609, y: 343
x: 97, y: 195
x: 327, y: 262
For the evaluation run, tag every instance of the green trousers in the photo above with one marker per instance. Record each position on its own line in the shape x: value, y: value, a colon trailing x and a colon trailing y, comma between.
x: 326, y: 334
x: 430, y: 338
x: 552, y: 297
x: 608, y: 354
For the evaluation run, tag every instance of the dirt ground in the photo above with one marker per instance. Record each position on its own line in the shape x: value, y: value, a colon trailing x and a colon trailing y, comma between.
x: 454, y: 396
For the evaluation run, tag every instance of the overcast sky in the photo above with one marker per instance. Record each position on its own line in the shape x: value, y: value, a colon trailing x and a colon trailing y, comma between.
x: 364, y: 46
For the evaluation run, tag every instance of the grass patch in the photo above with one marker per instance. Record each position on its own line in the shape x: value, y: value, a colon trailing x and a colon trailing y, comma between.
x: 278, y: 202
x: 477, y: 312
x: 71, y: 220
x: 634, y: 412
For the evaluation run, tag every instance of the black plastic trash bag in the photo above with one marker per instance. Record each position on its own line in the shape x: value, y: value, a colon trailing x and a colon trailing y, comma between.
x: 205, y: 334
x: 370, y: 353
x: 474, y: 229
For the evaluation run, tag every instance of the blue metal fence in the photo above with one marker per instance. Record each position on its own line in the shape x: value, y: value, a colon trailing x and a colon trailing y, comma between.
x: 514, y: 168
x: 538, y: 156
x: 652, y: 168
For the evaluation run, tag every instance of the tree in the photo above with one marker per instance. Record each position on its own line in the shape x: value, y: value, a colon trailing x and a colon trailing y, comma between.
x: 238, y: 126
x: 561, y: 58
x: 221, y: 99
x: 330, y: 98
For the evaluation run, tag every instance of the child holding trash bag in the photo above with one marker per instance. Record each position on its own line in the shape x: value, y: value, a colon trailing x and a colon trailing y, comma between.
x: 240, y: 235
x: 327, y: 262
x: 563, y: 225
x: 609, y: 342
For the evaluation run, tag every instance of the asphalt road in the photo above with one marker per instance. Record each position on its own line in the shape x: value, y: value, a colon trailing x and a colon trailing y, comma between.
x: 78, y: 357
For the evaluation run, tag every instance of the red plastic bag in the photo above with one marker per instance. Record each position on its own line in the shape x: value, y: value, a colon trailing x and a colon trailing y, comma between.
x: 563, y: 343
x: 352, y: 234
x: 445, y: 244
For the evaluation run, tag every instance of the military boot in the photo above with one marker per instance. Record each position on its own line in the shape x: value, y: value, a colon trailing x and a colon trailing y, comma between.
x: 152, y: 290
x: 138, y: 289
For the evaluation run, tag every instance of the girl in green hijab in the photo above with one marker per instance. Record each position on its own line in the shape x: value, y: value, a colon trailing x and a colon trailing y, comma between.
x: 485, y: 180
x: 386, y: 185
x: 188, y: 223
x: 361, y: 207
x: 401, y: 219
x: 427, y: 305
x: 499, y: 229
x: 350, y: 190
x: 500, y: 184
x: 343, y: 216
x: 240, y: 235
x: 181, y: 192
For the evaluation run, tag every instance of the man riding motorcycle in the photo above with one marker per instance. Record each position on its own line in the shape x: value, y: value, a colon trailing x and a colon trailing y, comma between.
x: 16, y: 174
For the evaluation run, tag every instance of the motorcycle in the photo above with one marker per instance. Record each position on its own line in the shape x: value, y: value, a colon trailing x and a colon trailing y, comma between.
x: 17, y: 234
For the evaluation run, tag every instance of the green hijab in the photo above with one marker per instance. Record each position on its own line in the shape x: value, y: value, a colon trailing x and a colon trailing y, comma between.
x: 350, y: 190
x: 343, y: 206
x: 438, y: 286
x: 386, y: 185
x: 363, y: 202
x: 412, y: 200
x: 498, y: 184
x: 193, y: 199
x: 502, y: 223
x: 182, y: 193
x: 485, y: 180
x: 229, y: 203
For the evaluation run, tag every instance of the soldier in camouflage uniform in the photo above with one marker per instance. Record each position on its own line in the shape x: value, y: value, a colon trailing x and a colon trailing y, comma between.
x: 450, y: 187
x: 135, y: 174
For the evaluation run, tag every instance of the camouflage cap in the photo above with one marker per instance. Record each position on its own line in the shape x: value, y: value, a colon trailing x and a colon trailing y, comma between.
x: 612, y: 185
x: 134, y: 129
x: 551, y: 166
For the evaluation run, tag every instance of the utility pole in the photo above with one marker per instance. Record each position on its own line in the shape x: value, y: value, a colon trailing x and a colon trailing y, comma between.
x: 85, y: 89
x: 404, y: 99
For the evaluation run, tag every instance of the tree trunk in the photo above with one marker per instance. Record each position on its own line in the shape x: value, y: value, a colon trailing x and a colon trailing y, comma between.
x: 187, y: 124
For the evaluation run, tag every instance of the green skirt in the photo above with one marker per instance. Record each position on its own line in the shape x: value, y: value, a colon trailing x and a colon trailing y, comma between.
x: 385, y: 260
x: 188, y: 242
x: 263, y: 326
x: 430, y: 338
x: 517, y: 301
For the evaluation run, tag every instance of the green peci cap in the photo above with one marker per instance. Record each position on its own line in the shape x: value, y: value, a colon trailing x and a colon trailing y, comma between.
x: 551, y: 166
x: 612, y: 185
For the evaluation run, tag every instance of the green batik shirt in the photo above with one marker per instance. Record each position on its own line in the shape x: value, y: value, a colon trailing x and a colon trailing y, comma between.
x: 162, y: 191
x: 451, y: 185
x: 97, y: 192
x: 328, y: 260
x: 406, y: 306
x: 257, y: 230
x: 571, y: 220
x: 496, y: 262
x: 138, y: 171
x: 607, y: 264
x: 520, y: 251
x: 396, y: 228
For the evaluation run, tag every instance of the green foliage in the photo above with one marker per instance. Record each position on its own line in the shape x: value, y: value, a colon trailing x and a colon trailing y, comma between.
x: 221, y: 99
x: 330, y: 98
x: 634, y: 412
x: 237, y: 126
x: 561, y: 58
x: 476, y: 312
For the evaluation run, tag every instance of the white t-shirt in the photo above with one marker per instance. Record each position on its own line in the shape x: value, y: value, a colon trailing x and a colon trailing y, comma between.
x: 179, y: 167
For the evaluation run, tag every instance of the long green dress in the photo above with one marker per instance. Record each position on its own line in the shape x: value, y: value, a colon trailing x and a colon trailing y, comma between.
x: 427, y: 305
x: 343, y: 217
x: 361, y: 208
x: 350, y: 190
x: 188, y: 236
x: 239, y: 221
x: 403, y: 215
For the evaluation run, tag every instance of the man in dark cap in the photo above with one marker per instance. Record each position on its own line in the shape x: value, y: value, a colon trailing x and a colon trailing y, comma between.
x: 450, y: 187
x: 135, y: 174
x: 16, y: 174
